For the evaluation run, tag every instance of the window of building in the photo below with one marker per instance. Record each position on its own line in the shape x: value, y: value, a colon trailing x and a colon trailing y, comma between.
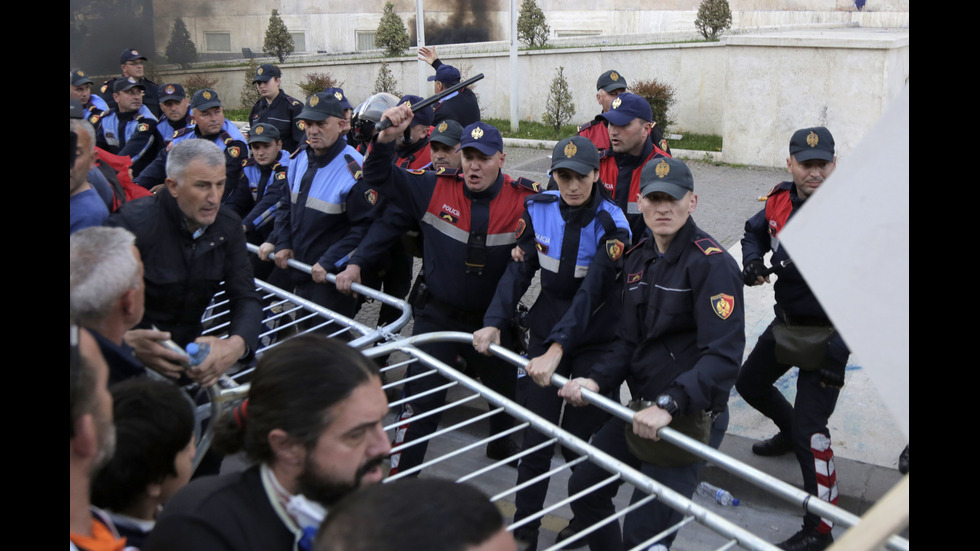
x: 299, y: 41
x: 365, y: 40
x: 217, y: 42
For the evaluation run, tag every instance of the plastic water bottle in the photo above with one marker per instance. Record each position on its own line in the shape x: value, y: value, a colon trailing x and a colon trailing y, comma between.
x: 197, y: 352
x: 723, y: 497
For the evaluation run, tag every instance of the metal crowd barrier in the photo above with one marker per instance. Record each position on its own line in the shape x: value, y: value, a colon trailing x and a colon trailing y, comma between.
x: 285, y: 315
x: 452, y: 456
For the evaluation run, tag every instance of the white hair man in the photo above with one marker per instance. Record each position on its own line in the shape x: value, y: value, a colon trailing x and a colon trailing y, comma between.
x: 189, y: 245
x: 106, y: 293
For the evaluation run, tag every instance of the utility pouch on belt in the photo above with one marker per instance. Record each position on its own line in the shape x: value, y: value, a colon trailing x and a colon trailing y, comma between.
x: 804, y: 346
x: 662, y: 453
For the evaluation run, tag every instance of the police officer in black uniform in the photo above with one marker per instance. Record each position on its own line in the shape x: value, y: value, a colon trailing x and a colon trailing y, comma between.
x: 461, y: 106
x: 802, y: 426
x: 277, y: 108
x: 132, y: 64
x: 679, y: 345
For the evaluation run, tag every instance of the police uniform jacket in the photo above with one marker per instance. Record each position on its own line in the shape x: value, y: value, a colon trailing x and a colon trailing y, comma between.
x: 793, y: 296
x: 282, y: 113
x: 461, y: 107
x: 329, y: 208
x: 166, y: 129
x: 229, y: 139
x: 151, y: 99
x: 580, y: 252
x: 621, y: 175
x: 683, y: 326
x: 468, y: 236
x: 182, y: 273
x: 258, y: 193
x: 130, y: 135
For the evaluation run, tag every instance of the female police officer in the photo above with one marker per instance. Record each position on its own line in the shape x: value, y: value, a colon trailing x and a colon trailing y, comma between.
x: 579, y: 237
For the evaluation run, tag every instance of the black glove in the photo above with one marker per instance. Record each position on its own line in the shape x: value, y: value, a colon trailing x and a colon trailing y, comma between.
x: 753, y: 271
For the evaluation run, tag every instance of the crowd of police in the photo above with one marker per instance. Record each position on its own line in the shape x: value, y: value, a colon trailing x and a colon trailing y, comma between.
x: 632, y: 290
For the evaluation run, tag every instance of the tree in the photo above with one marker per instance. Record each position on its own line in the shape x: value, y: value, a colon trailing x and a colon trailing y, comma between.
x: 250, y: 94
x: 391, y: 34
x: 200, y: 81
x: 386, y: 81
x: 660, y: 96
x: 318, y: 82
x: 181, y: 49
x: 559, y: 107
x: 278, y: 41
x: 532, y: 27
x: 713, y: 18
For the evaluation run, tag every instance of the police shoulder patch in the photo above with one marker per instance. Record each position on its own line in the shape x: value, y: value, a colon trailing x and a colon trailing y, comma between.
x: 723, y: 305
x: 371, y: 196
x: 234, y: 151
x: 708, y: 246
x: 281, y: 175
x: 93, y: 119
x: 415, y: 171
x: 521, y: 226
x: 614, y: 248
x: 142, y: 127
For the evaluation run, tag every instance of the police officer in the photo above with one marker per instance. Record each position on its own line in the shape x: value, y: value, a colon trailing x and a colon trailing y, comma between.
x: 209, y: 124
x: 608, y: 87
x: 123, y: 130
x: 277, y: 108
x: 260, y: 189
x: 803, y: 428
x: 80, y: 88
x: 329, y: 207
x: 132, y: 64
x: 413, y: 147
x: 345, y: 105
x: 444, y: 145
x: 461, y: 106
x: 176, y: 111
x: 468, y: 224
x: 630, y: 122
x: 678, y: 346
x: 577, y: 237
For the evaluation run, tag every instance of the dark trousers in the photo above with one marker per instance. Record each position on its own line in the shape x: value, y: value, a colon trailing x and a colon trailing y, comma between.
x: 544, y: 401
x: 500, y: 376
x: 803, y: 423
x: 326, y: 295
x: 641, y: 524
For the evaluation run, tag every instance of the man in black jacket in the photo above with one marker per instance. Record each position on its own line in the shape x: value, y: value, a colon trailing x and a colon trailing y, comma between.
x: 461, y: 106
x: 189, y: 245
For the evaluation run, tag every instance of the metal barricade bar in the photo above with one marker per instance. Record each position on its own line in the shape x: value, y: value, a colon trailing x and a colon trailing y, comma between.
x: 278, y: 323
x: 620, y: 470
x: 381, y: 341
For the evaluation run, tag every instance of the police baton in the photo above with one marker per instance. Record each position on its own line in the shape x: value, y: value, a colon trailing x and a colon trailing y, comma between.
x: 781, y: 264
x: 385, y: 123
